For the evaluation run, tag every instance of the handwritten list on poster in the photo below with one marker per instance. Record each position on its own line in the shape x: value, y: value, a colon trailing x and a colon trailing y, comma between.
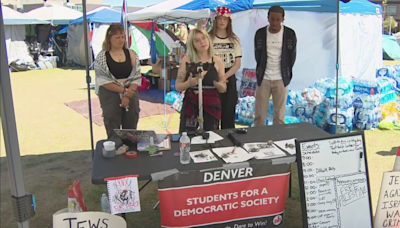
x: 335, y: 183
x: 388, y: 208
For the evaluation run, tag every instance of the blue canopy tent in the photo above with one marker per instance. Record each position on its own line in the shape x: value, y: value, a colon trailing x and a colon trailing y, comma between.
x: 234, y: 5
x: 391, y: 48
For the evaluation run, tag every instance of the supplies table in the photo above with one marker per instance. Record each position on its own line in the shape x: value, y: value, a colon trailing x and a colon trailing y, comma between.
x: 153, y: 168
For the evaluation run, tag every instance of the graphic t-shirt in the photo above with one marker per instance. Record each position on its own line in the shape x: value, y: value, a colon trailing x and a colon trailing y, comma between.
x: 227, y: 50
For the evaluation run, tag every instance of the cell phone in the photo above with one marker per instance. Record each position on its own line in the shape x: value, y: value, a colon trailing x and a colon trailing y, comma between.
x: 175, y: 137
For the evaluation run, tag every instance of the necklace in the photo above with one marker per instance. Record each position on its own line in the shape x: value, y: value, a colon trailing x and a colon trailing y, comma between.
x: 118, y: 57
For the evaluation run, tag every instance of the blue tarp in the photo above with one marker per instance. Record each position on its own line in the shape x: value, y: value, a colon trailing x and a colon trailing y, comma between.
x: 106, y: 16
x: 391, y: 48
x: 234, y: 5
x: 354, y: 6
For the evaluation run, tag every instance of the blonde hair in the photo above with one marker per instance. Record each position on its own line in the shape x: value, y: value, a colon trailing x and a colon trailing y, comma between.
x: 191, y: 50
x: 111, y: 31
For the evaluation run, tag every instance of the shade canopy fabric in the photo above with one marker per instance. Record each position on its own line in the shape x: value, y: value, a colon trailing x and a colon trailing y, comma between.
x: 104, y: 15
x: 12, y: 17
x: 56, y: 14
x: 169, y: 15
x: 391, y: 49
x: 234, y: 5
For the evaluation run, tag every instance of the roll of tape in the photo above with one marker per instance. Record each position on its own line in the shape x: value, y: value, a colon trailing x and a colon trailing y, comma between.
x: 131, y: 154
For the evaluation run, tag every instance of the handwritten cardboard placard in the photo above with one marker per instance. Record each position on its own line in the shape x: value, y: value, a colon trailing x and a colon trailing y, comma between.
x: 63, y: 219
x: 123, y: 194
x: 249, y: 83
x: 388, y: 208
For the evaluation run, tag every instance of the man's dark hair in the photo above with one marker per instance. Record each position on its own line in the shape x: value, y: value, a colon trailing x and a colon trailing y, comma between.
x: 276, y: 9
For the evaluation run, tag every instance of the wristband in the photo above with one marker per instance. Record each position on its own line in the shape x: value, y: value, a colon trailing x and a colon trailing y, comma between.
x: 125, y: 91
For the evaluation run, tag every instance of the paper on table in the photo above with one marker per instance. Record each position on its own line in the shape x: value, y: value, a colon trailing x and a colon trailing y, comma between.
x: 282, y: 145
x: 263, y: 150
x: 214, y: 137
x: 206, y: 156
x: 240, y: 155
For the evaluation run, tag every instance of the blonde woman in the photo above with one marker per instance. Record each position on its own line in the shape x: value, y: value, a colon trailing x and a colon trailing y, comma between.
x: 118, y: 75
x: 199, y: 49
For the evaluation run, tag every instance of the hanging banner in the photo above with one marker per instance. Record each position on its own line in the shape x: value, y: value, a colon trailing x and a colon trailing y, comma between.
x: 249, y: 83
x: 253, y: 196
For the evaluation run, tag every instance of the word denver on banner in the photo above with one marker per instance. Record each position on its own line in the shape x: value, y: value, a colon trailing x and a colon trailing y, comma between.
x: 254, y: 196
x: 249, y: 83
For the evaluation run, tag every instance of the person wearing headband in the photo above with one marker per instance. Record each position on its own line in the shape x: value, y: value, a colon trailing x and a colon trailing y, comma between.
x: 227, y: 46
x: 118, y: 75
x: 199, y: 50
x: 275, y: 54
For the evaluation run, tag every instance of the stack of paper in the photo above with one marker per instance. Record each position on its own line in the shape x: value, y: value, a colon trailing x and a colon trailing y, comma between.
x: 214, y: 137
x: 202, y: 156
x: 284, y: 145
x: 233, y: 154
x: 263, y: 150
x: 164, y: 145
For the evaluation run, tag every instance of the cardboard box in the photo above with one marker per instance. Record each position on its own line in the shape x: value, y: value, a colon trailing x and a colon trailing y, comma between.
x: 159, y: 65
x: 161, y: 84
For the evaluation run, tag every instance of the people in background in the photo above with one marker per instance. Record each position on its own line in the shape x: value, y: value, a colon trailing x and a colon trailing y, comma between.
x: 182, y: 34
x: 118, y: 75
x: 199, y: 49
x: 275, y: 53
x: 227, y: 46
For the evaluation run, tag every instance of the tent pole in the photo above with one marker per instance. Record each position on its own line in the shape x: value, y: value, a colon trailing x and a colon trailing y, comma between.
x: 337, y: 65
x: 165, y: 80
x: 9, y: 125
x: 88, y: 78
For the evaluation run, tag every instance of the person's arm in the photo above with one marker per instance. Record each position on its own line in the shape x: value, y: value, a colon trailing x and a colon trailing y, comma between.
x: 221, y: 84
x: 181, y: 84
x: 256, y: 50
x: 294, y: 48
x: 114, y: 88
x: 238, y: 60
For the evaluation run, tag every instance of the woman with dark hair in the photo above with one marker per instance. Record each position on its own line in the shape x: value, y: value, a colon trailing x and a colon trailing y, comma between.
x: 199, y: 50
x: 118, y: 75
x: 227, y: 46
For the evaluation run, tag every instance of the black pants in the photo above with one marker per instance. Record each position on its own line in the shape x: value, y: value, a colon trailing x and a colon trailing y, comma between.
x: 210, y: 123
x: 114, y: 116
x: 228, y: 103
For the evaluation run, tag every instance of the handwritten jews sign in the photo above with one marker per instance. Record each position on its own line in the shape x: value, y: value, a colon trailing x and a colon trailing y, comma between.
x: 63, y: 219
x: 253, y: 196
x: 388, y: 208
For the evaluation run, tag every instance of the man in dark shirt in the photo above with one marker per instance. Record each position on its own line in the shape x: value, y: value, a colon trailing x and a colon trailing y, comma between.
x: 275, y: 53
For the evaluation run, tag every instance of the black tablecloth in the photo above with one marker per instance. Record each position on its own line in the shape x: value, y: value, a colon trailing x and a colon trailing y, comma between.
x: 144, y: 165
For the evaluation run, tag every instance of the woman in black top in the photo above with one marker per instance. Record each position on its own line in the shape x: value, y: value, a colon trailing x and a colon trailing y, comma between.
x: 117, y: 78
x: 199, y: 49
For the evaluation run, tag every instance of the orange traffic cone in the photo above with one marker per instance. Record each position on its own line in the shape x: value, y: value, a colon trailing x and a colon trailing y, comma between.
x: 397, y: 161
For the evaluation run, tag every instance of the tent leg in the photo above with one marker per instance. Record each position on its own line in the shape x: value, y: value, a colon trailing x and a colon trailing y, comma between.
x: 337, y: 65
x: 88, y: 78
x: 9, y: 125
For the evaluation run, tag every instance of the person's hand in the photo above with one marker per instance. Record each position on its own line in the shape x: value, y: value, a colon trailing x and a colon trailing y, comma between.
x: 130, y: 93
x: 124, y: 102
x: 202, y: 74
x: 221, y: 85
x: 193, y: 80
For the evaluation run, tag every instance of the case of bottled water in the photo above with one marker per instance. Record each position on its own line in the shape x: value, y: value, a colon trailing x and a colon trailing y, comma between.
x: 366, y: 119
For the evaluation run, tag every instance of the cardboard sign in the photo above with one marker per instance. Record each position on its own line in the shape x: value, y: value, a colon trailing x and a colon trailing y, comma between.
x: 388, y: 208
x: 334, y: 185
x: 248, y: 84
x: 63, y: 219
x: 252, y: 196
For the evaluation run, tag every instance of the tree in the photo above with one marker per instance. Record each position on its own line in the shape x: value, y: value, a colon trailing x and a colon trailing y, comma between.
x: 384, y: 4
x: 389, y: 24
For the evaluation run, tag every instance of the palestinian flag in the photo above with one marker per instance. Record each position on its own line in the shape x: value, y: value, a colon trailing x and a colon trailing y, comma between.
x: 162, y: 36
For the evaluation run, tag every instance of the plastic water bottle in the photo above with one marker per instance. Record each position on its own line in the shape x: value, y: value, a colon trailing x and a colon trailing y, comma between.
x: 184, y: 146
x: 105, y: 204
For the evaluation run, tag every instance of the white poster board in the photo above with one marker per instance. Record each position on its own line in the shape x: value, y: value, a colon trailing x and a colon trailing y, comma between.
x: 388, y: 208
x: 63, y: 219
x: 334, y: 185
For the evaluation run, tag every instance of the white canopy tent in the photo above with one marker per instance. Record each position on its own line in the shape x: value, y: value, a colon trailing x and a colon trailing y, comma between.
x: 56, y: 14
x: 164, y: 6
x: 161, y: 16
x: 14, y: 28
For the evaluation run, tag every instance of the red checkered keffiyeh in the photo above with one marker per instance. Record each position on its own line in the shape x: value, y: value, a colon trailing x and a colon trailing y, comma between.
x: 223, y: 11
x: 211, y: 103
